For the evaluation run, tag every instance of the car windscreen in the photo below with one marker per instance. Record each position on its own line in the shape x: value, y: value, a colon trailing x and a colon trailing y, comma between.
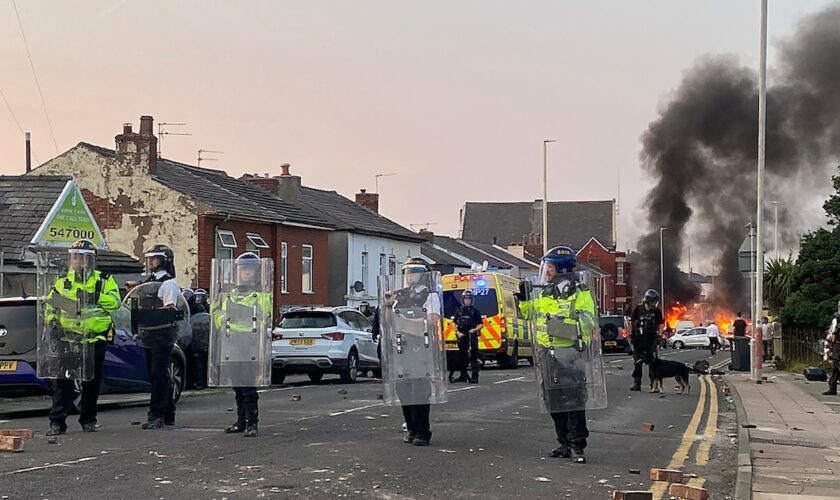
x: 308, y: 319
x: 612, y: 320
x: 485, y: 301
x: 19, y: 324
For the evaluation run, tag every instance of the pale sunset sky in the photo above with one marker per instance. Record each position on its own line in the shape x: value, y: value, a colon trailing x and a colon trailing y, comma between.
x: 455, y: 97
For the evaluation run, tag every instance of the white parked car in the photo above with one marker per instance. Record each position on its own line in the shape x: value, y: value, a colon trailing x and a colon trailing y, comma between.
x: 324, y: 340
x: 693, y: 337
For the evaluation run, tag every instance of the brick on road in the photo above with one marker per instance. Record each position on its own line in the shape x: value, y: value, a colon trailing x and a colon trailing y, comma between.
x: 667, y: 475
x: 21, y: 433
x: 632, y: 495
x: 11, y: 443
x: 686, y: 492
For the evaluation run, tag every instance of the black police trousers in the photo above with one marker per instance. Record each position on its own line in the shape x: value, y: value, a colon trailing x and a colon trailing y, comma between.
x: 199, y: 372
x: 571, y: 429
x: 64, y: 392
x: 417, y: 420
x: 835, y: 376
x: 161, y: 404
x: 644, y: 350
x: 247, y: 409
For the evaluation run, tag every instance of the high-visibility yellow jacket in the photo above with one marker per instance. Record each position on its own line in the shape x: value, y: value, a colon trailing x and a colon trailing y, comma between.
x: 578, y: 308
x: 81, y: 308
x: 263, y: 300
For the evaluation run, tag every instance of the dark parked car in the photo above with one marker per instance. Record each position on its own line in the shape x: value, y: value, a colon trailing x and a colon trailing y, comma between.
x: 125, y: 362
x: 614, y: 333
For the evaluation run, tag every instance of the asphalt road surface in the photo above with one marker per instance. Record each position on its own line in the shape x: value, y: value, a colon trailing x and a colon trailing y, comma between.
x: 490, y: 441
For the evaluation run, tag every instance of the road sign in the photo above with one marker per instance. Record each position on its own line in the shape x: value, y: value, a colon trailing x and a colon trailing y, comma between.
x: 69, y: 220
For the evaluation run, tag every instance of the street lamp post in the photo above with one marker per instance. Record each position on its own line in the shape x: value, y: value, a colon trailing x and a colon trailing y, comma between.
x: 776, y: 230
x: 759, y: 245
x: 545, y: 196
x: 662, y: 267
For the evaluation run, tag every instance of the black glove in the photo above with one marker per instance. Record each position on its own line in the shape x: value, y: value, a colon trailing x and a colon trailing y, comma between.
x: 525, y: 289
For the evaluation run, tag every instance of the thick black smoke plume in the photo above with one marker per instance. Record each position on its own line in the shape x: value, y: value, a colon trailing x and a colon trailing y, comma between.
x: 702, y: 152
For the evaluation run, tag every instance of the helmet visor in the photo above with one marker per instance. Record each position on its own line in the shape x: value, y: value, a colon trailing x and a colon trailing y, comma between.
x: 81, y: 261
x: 154, y: 262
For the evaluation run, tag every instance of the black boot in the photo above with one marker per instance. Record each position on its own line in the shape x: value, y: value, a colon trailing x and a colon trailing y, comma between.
x: 56, y: 429
x: 637, y: 386
x: 89, y: 427
x: 152, y: 424
x: 251, y: 431
x: 578, y: 457
x: 235, y: 428
x: 561, y: 452
x: 830, y: 392
x: 410, y: 437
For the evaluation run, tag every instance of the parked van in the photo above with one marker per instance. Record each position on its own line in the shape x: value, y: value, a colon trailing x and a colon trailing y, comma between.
x: 506, y: 335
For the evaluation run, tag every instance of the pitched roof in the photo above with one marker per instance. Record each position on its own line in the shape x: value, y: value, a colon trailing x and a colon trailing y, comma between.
x: 25, y: 202
x: 502, y: 254
x: 570, y: 223
x: 228, y: 195
x: 459, y: 248
x: 440, y: 257
x: 348, y: 215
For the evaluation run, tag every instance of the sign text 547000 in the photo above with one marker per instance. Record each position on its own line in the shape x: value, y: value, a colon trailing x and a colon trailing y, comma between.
x: 71, y: 233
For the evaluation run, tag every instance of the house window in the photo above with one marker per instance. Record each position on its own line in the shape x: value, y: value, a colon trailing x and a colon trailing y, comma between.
x: 619, y: 273
x: 284, y: 268
x: 225, y: 245
x: 392, y: 266
x: 365, y: 266
x: 255, y: 243
x: 383, y: 264
x: 306, y: 274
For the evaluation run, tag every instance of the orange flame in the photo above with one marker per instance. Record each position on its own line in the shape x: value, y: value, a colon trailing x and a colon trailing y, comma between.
x: 674, y: 314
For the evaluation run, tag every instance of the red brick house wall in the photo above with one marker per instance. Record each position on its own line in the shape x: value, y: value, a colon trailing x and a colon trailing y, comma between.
x: 273, y: 234
x: 608, y: 260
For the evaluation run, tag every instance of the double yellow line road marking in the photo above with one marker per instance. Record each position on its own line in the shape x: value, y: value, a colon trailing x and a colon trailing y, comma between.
x: 701, y: 456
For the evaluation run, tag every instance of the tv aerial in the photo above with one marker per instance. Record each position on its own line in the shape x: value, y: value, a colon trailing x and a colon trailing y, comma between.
x: 206, y: 158
x: 162, y: 132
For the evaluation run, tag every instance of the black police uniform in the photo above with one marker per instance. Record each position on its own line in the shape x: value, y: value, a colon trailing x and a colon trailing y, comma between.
x: 834, y: 355
x: 466, y: 319
x: 159, y: 346
x: 645, y: 323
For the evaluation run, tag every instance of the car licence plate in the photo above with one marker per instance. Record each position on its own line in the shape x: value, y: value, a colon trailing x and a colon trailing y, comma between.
x: 8, y: 366
x: 301, y: 342
x: 610, y: 343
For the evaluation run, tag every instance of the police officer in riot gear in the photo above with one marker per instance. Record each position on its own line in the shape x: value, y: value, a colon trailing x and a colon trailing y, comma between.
x: 561, y: 358
x: 247, y: 294
x: 158, y: 333
x: 415, y: 395
x: 468, y: 325
x: 91, y: 324
x: 366, y: 310
x: 647, y: 324
x: 833, y: 354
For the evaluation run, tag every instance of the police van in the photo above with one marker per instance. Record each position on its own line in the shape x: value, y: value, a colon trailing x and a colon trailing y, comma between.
x: 506, y: 334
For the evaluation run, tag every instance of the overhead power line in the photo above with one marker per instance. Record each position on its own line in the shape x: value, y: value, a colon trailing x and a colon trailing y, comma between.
x: 14, y: 117
x: 35, y: 75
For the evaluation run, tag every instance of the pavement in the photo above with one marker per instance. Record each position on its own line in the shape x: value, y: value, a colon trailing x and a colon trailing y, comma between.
x: 490, y: 441
x: 791, y: 437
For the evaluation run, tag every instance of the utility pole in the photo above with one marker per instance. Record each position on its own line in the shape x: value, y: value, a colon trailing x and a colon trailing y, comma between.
x: 776, y: 230
x: 545, y: 195
x: 758, y: 349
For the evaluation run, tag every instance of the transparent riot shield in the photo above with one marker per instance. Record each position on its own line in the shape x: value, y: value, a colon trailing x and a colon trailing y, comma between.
x: 413, y: 354
x: 66, y: 308
x: 200, y: 323
x: 153, y: 324
x: 241, y: 305
x: 567, y: 347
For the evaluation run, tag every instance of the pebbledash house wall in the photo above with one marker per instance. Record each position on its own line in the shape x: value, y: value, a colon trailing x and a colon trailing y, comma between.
x: 133, y: 210
x: 274, y: 235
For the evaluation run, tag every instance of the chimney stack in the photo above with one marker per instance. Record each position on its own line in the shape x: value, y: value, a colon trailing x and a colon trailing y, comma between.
x: 368, y: 200
x: 427, y: 235
x: 285, y: 186
x: 28, y: 152
x: 139, y: 151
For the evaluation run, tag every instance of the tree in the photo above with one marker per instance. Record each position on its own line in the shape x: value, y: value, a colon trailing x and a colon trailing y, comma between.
x: 815, y: 287
x: 778, y: 281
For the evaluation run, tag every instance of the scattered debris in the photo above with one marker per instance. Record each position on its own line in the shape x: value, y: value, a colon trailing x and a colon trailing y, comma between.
x: 295, y: 397
x: 667, y: 475
x: 541, y: 479
x: 13, y: 444
x: 647, y: 427
x: 688, y: 492
x: 21, y: 433
x: 632, y: 495
x: 342, y: 391
x: 634, y: 471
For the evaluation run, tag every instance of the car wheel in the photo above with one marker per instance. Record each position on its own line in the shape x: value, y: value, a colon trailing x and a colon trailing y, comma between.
x: 178, y: 378
x: 679, y: 345
x: 277, y: 377
x: 512, y: 361
x: 377, y: 373
x: 531, y: 361
x: 316, y: 376
x: 351, y: 371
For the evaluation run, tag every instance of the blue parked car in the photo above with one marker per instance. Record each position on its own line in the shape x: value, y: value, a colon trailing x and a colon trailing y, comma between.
x: 125, y: 362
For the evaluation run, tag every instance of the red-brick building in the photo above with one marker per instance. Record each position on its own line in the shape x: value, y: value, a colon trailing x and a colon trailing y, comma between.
x: 616, y: 292
x: 139, y: 199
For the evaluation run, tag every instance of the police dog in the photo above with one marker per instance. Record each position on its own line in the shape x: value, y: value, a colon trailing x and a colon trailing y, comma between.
x: 661, y: 369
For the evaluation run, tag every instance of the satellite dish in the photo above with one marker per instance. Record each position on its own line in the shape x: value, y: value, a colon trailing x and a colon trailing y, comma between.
x: 484, y: 266
x: 358, y: 287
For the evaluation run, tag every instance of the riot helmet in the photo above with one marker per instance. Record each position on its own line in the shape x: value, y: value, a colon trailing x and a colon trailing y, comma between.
x: 81, y: 258
x: 652, y: 297
x: 160, y: 258
x: 247, y: 270
x: 467, y: 295
x: 189, y: 295
x: 413, y: 271
x: 557, y: 261
x: 364, y: 307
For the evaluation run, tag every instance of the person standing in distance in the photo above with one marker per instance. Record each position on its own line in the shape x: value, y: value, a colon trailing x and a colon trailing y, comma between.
x: 833, y: 345
x: 159, y: 339
x: 714, y: 337
x: 739, y: 327
x: 94, y: 326
x: 647, y: 323
x: 468, y: 324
